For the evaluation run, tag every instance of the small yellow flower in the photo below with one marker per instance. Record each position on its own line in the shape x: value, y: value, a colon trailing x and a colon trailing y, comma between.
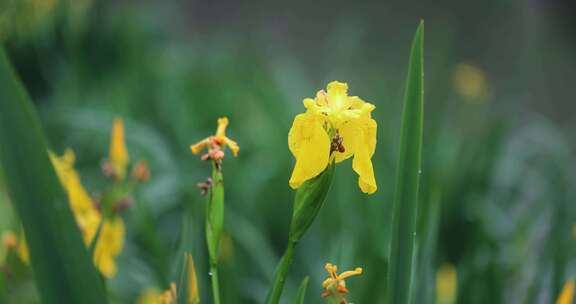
x: 446, y: 284
x: 335, y: 285
x: 216, y: 143
x: 336, y: 127
x: 11, y: 242
x: 470, y: 82
x: 118, y: 152
x: 168, y: 296
x: 193, y: 294
x: 567, y: 293
x: 149, y: 296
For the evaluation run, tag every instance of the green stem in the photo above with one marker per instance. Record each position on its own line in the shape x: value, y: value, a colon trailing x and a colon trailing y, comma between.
x: 215, y: 284
x: 281, y: 272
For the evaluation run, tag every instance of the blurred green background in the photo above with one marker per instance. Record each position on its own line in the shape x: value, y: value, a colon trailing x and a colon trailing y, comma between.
x: 497, y: 196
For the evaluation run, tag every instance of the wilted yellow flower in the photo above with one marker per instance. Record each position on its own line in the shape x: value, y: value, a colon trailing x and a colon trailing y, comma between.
x: 336, y: 127
x: 118, y: 152
x: 216, y: 143
x: 109, y: 245
x: 446, y: 284
x: 567, y: 293
x: 335, y: 285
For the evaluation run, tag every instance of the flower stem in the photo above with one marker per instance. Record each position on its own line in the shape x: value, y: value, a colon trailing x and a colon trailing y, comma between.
x: 280, y: 274
x: 215, y: 284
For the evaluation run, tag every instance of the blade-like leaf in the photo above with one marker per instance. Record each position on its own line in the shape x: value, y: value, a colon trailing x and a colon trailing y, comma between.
x: 407, y: 179
x: 63, y: 270
x: 302, y: 291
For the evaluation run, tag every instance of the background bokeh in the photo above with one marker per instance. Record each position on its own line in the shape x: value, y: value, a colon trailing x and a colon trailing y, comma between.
x: 497, y: 195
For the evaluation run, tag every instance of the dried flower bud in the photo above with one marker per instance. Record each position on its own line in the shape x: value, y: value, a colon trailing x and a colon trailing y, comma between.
x: 141, y: 171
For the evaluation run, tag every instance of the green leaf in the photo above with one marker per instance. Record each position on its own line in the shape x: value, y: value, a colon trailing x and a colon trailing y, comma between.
x: 63, y: 270
x: 302, y: 291
x: 405, y: 208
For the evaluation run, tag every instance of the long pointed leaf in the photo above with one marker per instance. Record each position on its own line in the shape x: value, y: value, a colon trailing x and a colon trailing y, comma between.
x: 407, y: 180
x: 63, y: 270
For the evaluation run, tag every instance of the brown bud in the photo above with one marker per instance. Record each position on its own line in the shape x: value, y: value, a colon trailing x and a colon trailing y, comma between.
x: 9, y: 240
x: 141, y: 171
x: 204, y: 186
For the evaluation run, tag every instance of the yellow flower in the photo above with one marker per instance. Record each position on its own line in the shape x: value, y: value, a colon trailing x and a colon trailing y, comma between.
x: 446, y: 284
x: 109, y: 246
x: 118, y: 153
x: 111, y: 238
x: 216, y: 143
x: 193, y: 294
x: 567, y: 293
x: 335, y: 285
x: 336, y: 127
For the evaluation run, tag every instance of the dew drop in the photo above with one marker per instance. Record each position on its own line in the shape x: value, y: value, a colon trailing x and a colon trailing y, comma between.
x: 210, y: 273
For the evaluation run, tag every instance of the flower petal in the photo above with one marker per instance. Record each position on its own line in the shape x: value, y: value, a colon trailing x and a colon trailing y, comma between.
x: 118, y: 152
x: 232, y: 145
x: 362, y: 162
x: 310, y: 144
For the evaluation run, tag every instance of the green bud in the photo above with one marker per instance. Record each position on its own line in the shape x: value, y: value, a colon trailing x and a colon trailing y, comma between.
x: 215, y: 214
x: 309, y: 199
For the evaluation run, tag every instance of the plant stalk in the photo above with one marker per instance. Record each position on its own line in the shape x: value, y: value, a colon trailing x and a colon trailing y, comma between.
x: 281, y: 273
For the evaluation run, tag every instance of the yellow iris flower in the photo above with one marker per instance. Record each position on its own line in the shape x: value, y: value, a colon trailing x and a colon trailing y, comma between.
x: 335, y: 127
x: 335, y: 285
x: 88, y: 218
x: 216, y: 143
x: 567, y: 294
x: 118, y: 152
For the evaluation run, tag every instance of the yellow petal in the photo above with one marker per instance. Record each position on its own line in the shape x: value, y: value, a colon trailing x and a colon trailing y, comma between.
x: 197, y: 147
x: 109, y: 245
x: 232, y: 145
x: 567, y: 293
x: 336, y: 88
x: 310, y: 144
x: 118, y: 152
x: 350, y: 273
x: 149, y: 296
x: 78, y: 197
x: 193, y: 294
x: 362, y: 162
x: 446, y: 284
x: 23, y: 252
x: 222, y: 124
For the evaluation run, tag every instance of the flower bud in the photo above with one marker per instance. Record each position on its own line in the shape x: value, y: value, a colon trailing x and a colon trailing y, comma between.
x: 309, y: 199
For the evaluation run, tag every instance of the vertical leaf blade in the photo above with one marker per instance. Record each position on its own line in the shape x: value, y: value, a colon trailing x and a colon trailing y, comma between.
x: 402, y: 248
x: 301, y: 295
x: 63, y: 270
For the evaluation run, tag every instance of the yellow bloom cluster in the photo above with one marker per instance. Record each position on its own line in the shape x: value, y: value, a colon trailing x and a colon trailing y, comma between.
x: 335, y: 127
